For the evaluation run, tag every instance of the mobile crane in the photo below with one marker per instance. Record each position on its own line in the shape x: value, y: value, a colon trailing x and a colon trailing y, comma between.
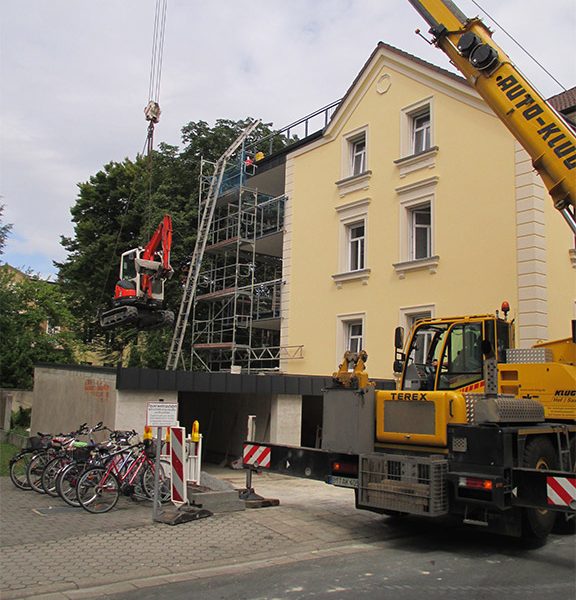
x: 476, y: 429
x: 139, y: 294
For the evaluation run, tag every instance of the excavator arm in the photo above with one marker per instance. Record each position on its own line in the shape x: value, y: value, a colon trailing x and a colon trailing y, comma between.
x: 542, y: 132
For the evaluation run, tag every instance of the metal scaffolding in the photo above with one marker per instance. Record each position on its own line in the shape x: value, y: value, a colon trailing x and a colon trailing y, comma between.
x: 235, y: 298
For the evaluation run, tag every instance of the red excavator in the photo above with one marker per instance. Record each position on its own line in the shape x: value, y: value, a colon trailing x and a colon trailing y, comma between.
x: 139, y: 295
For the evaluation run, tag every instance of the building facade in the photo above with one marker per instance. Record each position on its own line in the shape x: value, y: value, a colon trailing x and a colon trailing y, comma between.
x: 415, y: 201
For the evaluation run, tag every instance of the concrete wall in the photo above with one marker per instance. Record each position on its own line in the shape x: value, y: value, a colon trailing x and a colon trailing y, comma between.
x: 20, y: 398
x: 64, y: 398
x: 131, y: 407
x: 11, y: 401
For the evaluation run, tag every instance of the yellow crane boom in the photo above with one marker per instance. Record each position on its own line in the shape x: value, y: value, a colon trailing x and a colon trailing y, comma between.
x: 542, y: 132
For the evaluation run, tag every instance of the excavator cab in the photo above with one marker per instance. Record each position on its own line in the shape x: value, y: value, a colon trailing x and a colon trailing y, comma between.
x: 139, y: 293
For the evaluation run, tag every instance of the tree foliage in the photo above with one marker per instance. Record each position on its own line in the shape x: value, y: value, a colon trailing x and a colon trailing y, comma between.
x: 5, y: 229
x: 119, y: 208
x: 37, y: 326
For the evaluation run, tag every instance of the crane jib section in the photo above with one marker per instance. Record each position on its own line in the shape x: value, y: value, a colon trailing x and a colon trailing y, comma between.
x: 551, y: 133
x: 544, y: 134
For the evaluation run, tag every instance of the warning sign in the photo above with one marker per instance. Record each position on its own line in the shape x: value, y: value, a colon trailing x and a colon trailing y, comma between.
x: 162, y: 414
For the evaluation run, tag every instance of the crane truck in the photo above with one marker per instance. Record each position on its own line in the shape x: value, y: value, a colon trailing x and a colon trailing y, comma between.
x: 476, y: 429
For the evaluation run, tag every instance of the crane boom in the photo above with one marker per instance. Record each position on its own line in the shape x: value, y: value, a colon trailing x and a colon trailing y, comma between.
x: 543, y: 133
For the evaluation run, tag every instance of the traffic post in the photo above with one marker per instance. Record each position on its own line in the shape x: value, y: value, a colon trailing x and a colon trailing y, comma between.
x: 160, y: 414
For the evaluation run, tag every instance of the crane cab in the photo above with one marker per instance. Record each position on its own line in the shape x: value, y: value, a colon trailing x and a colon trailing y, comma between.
x: 446, y: 354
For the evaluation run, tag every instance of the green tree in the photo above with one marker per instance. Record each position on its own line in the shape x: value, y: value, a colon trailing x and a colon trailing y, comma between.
x: 119, y: 208
x: 5, y: 229
x: 37, y: 326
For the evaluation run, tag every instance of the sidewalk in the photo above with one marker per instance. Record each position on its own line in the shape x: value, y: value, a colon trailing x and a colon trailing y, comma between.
x: 48, y: 548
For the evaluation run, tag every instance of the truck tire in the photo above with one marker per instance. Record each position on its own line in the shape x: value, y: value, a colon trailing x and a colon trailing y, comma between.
x: 539, y: 453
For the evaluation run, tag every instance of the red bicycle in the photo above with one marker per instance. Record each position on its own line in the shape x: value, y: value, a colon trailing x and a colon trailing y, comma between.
x: 125, y: 472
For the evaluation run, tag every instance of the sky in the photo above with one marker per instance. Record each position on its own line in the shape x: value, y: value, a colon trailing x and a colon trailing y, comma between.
x: 75, y: 78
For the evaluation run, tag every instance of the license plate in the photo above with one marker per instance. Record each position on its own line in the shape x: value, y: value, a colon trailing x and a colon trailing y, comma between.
x: 348, y: 482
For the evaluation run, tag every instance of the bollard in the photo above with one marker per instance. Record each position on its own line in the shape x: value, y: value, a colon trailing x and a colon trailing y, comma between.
x: 194, y: 454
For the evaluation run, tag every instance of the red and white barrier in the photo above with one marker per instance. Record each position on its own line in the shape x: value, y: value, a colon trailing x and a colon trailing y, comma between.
x: 178, y: 458
x: 561, y: 491
x: 256, y: 455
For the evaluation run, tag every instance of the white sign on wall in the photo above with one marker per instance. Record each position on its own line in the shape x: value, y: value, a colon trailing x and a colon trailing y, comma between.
x: 162, y: 414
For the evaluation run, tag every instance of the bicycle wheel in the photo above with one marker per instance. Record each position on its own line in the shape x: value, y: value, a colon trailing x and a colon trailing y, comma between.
x: 18, y: 468
x: 164, y: 482
x: 67, y: 481
x: 97, y: 490
x: 36, y: 468
x: 50, y: 474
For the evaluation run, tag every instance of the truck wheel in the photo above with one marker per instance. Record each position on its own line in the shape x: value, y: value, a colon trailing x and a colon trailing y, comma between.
x: 537, y: 523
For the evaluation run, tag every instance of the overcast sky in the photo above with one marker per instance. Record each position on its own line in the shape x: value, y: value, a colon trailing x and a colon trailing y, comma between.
x: 75, y: 76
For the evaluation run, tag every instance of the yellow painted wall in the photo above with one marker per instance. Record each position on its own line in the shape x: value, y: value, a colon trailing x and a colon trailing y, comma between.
x: 474, y: 219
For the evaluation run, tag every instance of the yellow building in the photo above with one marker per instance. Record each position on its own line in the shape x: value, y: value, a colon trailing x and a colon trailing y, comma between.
x: 415, y: 201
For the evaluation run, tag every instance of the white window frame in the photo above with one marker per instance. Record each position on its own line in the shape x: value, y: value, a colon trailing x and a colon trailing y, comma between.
x: 350, y: 154
x: 344, y: 322
x: 408, y: 116
x: 355, y: 341
x: 414, y: 227
x: 412, y: 197
x: 425, y: 142
x: 351, y: 215
x: 358, y: 156
x: 356, y: 246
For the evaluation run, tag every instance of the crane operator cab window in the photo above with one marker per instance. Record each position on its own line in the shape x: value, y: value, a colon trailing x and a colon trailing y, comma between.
x: 423, y: 356
x: 448, y: 356
x: 461, y: 363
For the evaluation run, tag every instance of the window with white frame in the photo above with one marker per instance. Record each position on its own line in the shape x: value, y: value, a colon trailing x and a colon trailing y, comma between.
x: 352, y: 243
x: 420, y: 223
x: 356, y: 245
x: 358, y: 155
x: 350, y: 333
x: 416, y: 227
x: 416, y: 128
x: 354, y: 335
x: 420, y: 131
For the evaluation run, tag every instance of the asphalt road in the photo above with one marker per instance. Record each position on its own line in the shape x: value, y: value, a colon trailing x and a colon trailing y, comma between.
x: 424, y: 562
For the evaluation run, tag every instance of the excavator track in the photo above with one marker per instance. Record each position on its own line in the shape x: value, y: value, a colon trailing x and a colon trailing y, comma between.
x: 141, y: 318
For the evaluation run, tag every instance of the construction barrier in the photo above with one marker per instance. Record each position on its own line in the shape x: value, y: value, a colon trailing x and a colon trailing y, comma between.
x: 178, y: 458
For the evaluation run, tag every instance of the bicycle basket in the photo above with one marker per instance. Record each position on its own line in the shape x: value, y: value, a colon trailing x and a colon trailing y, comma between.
x: 81, y: 454
x: 36, y: 443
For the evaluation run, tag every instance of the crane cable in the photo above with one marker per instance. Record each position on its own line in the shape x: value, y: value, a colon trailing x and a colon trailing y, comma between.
x: 517, y: 43
x: 152, y: 114
x: 152, y: 110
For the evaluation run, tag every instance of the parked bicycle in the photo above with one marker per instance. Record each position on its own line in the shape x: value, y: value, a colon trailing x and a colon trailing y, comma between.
x: 99, y: 488
x: 18, y: 464
x: 85, y: 458
x: 38, y: 462
x: 75, y: 449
